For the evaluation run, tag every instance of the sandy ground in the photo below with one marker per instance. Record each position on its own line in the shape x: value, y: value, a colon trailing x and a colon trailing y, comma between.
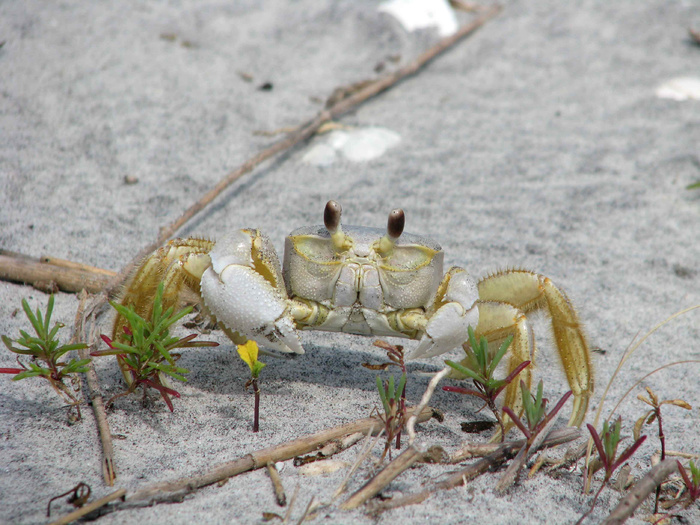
x: 539, y: 143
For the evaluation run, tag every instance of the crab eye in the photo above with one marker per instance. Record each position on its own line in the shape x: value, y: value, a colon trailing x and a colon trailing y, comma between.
x: 331, y: 216
x: 397, y: 220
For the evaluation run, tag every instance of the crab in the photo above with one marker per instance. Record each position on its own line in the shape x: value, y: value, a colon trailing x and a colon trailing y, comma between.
x: 363, y: 281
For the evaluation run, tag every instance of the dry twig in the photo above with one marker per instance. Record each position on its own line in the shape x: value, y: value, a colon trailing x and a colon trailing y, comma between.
x: 173, y: 491
x: 503, y: 452
x: 643, y: 489
x: 109, y: 471
x: 50, y: 274
x: 304, y: 132
x: 370, y: 489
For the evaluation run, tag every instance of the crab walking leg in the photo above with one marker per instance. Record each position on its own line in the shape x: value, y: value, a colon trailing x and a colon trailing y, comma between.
x: 529, y: 291
x: 179, y: 265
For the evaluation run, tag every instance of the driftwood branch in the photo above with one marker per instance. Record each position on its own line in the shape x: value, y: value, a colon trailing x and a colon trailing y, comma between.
x: 50, y: 274
x: 173, y: 491
x: 641, y: 491
x: 502, y: 453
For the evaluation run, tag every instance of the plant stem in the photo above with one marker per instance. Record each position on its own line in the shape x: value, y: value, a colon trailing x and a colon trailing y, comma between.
x: 595, y: 499
x: 256, y: 414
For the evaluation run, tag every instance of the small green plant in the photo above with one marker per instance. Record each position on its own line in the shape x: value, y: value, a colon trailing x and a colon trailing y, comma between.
x: 248, y: 352
x: 606, y: 445
x: 395, y: 354
x: 480, y: 366
x: 145, y: 355
x: 539, y: 422
x: 654, y: 415
x: 394, y: 416
x: 692, y: 482
x: 46, y: 354
x: 535, y: 411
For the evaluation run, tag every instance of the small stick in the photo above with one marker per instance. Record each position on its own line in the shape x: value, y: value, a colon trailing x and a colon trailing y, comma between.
x: 644, y: 488
x: 461, y: 477
x: 411, y: 425
x: 109, y: 471
x: 361, y: 457
x: 402, y: 462
x: 55, y: 261
x: 330, y: 449
x: 42, y: 275
x: 274, y: 474
x: 90, y: 507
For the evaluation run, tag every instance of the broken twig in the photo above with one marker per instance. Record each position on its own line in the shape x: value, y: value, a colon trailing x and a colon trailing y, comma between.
x: 643, y: 489
x: 461, y: 477
x: 388, y: 474
x: 51, y: 274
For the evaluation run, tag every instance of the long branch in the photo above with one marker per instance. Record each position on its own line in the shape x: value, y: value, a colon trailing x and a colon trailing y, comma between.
x: 304, y: 132
x: 170, y: 491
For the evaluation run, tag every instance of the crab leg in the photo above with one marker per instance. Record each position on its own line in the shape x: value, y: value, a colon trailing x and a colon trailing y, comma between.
x: 179, y: 265
x: 528, y: 291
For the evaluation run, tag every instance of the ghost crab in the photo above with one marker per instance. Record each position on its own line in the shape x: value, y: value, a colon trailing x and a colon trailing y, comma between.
x: 363, y: 281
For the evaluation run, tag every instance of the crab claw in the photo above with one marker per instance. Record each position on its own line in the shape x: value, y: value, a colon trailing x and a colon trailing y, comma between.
x: 454, y: 310
x: 244, y: 290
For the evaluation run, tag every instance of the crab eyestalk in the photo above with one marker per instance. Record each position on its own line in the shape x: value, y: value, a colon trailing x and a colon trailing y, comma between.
x: 394, y: 229
x: 331, y: 218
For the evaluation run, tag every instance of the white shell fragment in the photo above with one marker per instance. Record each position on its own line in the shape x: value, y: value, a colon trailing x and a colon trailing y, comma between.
x: 326, y: 466
x: 680, y: 88
x: 358, y: 145
x: 419, y: 14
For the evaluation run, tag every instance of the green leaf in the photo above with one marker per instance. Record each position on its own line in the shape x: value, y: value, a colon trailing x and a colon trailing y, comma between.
x: 499, y: 355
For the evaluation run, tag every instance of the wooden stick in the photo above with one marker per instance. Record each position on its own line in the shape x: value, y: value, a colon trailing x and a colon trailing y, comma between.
x: 176, y: 490
x: 643, y: 489
x: 90, y: 507
x: 388, y: 474
x: 109, y: 471
x: 502, y: 453
x: 276, y: 480
x: 47, y: 276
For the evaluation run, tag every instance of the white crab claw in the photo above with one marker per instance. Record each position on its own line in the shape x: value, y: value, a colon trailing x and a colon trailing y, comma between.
x: 244, y: 290
x: 449, y: 326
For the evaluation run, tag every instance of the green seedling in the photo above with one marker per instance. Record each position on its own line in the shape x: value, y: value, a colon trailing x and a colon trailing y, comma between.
x: 606, y: 445
x: 655, y: 415
x: 394, y: 416
x: 538, y: 423
x: 535, y: 411
x: 248, y: 352
x: 480, y: 365
x: 46, y: 354
x: 396, y: 356
x: 145, y: 355
x: 692, y: 482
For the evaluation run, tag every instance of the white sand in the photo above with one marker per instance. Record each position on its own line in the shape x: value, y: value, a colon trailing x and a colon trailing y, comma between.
x: 539, y: 143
